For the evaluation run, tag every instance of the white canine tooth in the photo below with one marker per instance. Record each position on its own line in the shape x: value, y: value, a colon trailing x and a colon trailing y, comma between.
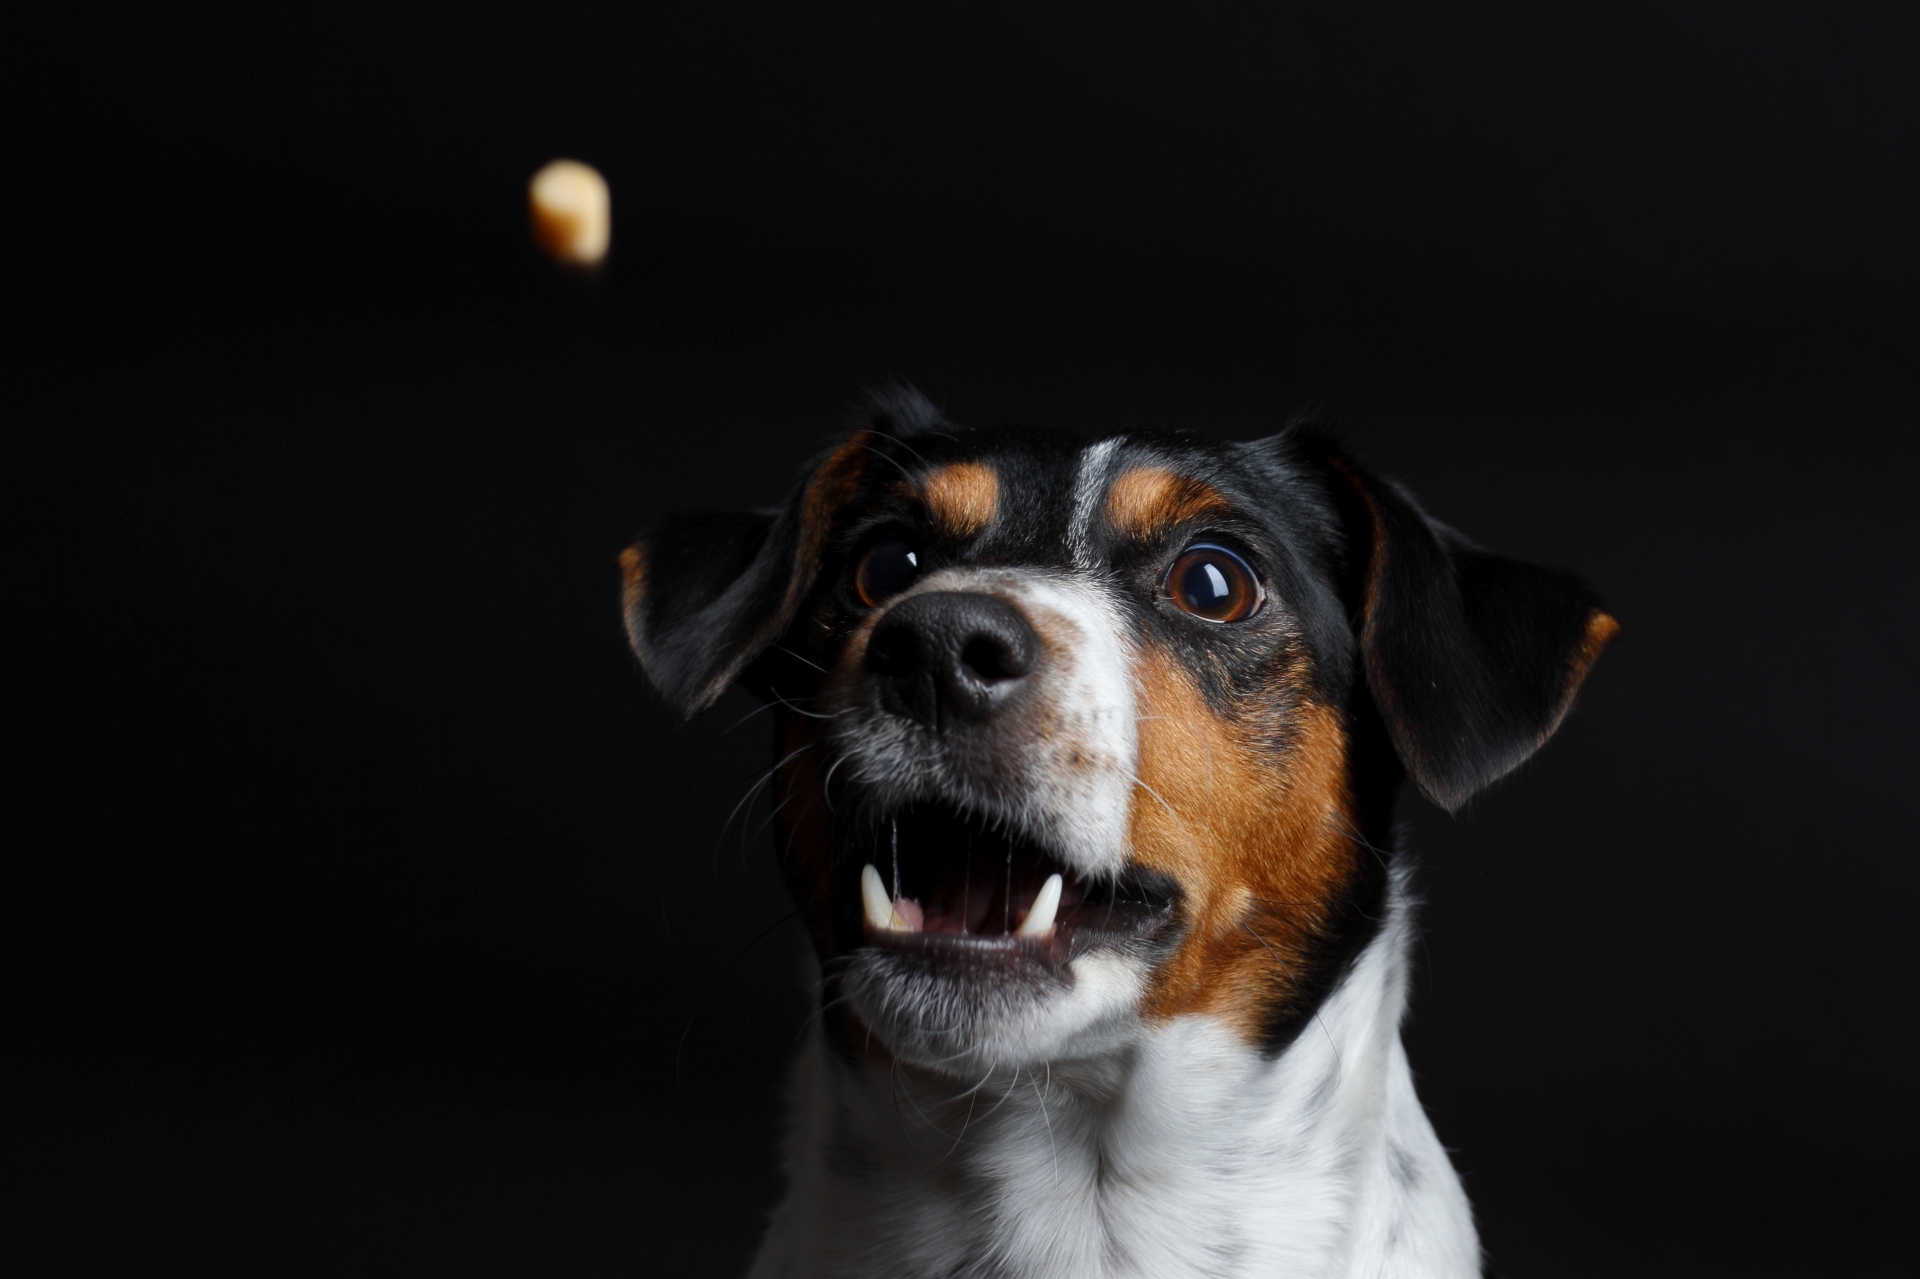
x: 1040, y: 918
x: 873, y: 896
x: 874, y: 899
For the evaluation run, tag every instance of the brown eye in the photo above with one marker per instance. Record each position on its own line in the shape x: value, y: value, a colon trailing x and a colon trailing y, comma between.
x: 1212, y: 582
x: 886, y: 569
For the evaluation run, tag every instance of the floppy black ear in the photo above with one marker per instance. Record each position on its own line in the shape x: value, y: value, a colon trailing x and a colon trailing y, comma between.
x: 706, y: 593
x: 1472, y: 658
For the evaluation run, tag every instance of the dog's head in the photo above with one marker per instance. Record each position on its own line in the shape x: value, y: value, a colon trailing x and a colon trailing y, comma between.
x: 1074, y: 738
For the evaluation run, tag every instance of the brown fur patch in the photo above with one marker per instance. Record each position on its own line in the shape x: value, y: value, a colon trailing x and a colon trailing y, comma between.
x: 962, y: 498
x: 1147, y: 501
x: 1261, y: 847
x: 633, y: 578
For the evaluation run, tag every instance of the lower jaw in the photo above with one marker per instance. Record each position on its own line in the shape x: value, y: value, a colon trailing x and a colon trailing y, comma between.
x: 1054, y: 950
x: 997, y: 969
x: 959, y: 1010
x: 954, y: 1014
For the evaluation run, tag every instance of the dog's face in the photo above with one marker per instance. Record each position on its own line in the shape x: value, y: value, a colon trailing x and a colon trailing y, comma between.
x: 1076, y: 738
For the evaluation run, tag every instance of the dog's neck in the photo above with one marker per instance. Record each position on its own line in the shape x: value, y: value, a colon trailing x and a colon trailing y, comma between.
x: 1186, y: 1153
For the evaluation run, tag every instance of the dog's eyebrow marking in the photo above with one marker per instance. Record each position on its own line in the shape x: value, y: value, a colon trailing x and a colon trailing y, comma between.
x: 962, y: 497
x: 1088, y: 483
x: 1148, y: 500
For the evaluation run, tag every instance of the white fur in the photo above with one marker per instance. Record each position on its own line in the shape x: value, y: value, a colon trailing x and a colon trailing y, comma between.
x: 1173, y: 1149
x: 1089, y: 491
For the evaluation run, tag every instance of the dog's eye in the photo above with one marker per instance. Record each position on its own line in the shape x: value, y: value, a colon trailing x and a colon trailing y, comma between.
x: 1212, y: 582
x: 886, y: 569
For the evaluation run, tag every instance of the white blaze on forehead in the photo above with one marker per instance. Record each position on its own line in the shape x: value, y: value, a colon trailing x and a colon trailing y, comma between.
x: 1089, y: 486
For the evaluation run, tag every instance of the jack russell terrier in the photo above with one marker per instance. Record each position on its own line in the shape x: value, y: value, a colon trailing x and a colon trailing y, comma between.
x: 1087, y: 757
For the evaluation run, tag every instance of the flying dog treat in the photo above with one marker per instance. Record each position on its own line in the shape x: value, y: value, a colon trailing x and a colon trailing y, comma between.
x: 571, y: 211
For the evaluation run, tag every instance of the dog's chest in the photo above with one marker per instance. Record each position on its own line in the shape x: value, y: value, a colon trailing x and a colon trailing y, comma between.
x: 1191, y: 1156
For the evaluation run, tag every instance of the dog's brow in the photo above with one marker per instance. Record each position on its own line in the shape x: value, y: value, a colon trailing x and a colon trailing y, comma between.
x: 962, y: 497
x: 1146, y: 501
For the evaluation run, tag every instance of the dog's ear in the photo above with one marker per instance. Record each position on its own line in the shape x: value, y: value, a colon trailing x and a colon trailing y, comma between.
x: 707, y: 593
x: 1473, y: 659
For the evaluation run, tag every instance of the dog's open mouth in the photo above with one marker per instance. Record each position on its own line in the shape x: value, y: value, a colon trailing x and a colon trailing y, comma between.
x: 938, y: 879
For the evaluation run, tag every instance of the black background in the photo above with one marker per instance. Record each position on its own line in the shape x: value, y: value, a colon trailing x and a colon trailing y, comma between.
x: 369, y: 915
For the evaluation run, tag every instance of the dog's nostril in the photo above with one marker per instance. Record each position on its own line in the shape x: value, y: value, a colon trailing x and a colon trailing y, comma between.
x: 993, y: 658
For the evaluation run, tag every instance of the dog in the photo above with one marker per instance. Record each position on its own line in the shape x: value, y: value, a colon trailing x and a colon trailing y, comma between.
x: 1086, y: 762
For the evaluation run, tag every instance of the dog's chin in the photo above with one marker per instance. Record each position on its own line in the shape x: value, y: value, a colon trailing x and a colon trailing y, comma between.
x: 949, y: 1015
x: 986, y: 951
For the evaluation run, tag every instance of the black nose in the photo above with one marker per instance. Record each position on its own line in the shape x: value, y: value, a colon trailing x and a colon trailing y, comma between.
x: 950, y: 654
